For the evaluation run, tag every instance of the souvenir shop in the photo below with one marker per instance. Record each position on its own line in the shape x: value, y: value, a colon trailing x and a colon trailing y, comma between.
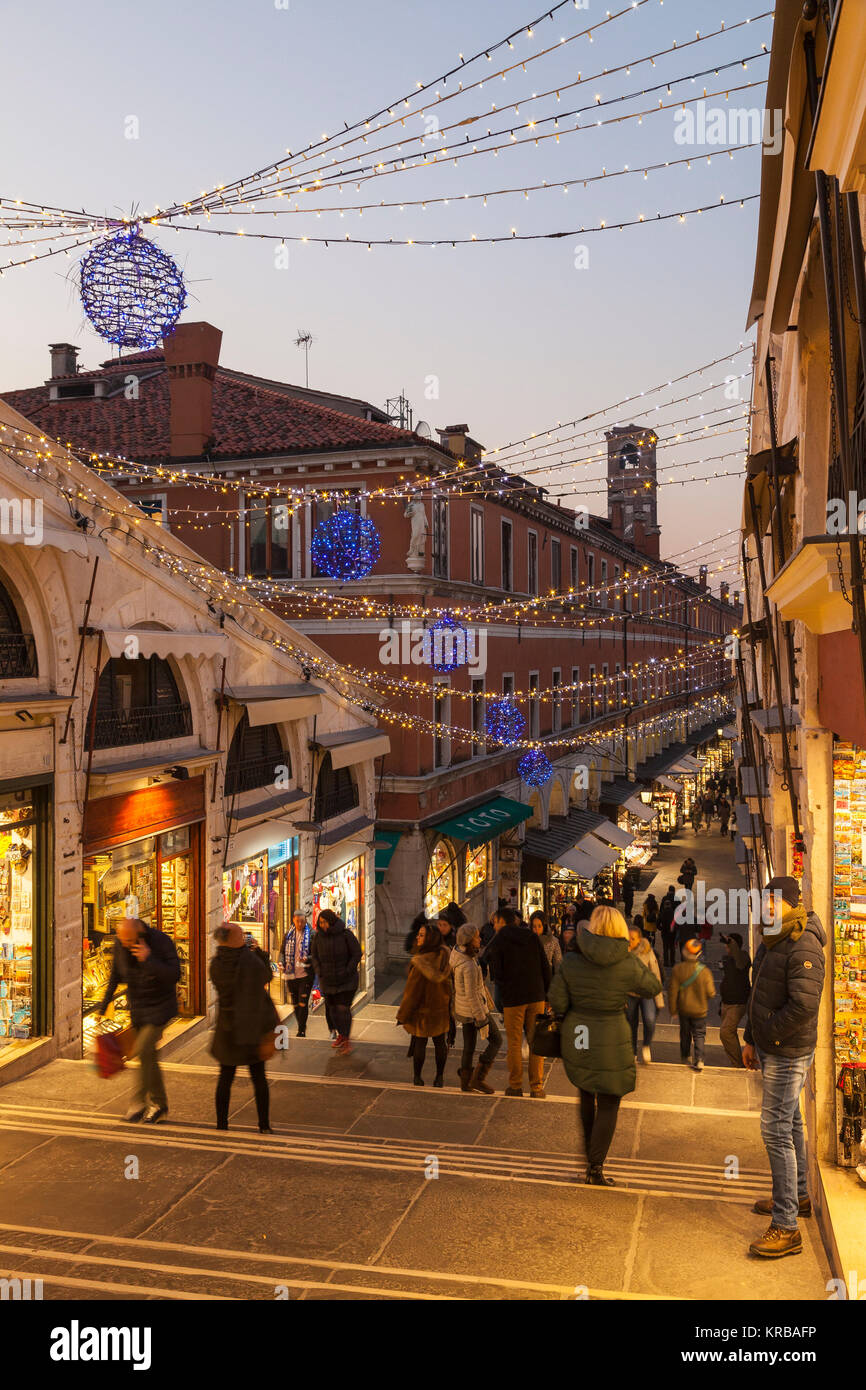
x: 849, y: 953
x: 261, y: 892
x: 342, y: 891
x: 25, y: 890
x: 638, y: 818
x: 443, y: 883
x: 547, y: 887
x: 143, y: 858
x: 667, y: 796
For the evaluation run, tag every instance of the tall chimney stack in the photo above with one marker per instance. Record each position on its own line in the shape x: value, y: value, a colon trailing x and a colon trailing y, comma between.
x: 64, y: 359
x: 192, y: 354
x: 724, y: 590
x: 702, y: 576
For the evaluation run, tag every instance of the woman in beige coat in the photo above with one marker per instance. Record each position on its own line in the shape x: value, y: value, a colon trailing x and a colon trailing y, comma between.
x: 426, y: 1010
x: 637, y: 1008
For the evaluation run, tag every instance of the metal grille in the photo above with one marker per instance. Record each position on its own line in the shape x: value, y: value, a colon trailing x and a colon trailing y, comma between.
x: 119, y: 728
x: 17, y: 655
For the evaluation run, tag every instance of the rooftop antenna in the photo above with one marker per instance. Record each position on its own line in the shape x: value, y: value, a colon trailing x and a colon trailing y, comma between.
x: 399, y: 411
x: 305, y: 340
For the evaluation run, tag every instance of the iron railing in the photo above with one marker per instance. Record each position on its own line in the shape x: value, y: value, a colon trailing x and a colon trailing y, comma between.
x: 246, y: 776
x: 150, y: 724
x: 334, y: 803
x: 17, y: 655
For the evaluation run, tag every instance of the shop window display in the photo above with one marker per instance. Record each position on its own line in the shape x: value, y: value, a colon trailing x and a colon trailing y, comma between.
x: 441, y: 880
x: 849, y: 950
x: 342, y: 891
x: 244, y: 899
x: 150, y: 879
x: 17, y: 826
x: 477, y: 867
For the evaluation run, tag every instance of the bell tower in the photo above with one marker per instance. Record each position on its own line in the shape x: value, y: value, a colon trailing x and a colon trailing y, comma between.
x: 632, y: 485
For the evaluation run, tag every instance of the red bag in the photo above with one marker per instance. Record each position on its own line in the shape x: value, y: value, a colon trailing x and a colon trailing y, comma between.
x: 109, y: 1057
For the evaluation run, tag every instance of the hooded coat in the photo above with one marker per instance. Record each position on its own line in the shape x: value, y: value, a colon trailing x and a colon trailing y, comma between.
x: 590, y: 990
x: 245, y: 1010
x: 425, y: 1009
x: 335, y: 955
x: 787, y: 980
x: 647, y: 956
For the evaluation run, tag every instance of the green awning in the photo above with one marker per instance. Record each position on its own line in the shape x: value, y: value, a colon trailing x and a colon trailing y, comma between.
x: 485, y: 822
x: 386, y: 842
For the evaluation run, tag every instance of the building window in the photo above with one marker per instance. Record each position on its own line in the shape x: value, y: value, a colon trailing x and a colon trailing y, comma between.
x: 556, y: 711
x: 507, y: 557
x: 604, y: 598
x: 137, y: 701
x: 532, y: 562
x: 256, y: 758
x: 441, y: 721
x: 575, y: 573
x: 440, y: 537
x: 441, y: 887
x: 575, y: 695
x: 507, y: 687
x: 619, y: 687
x: 590, y: 571
x: 476, y: 545
x: 592, y: 695
x: 336, y: 791
x: 269, y: 550
x: 477, y: 868
x: 534, y: 708
x: 555, y: 566
x: 605, y: 681
x: 617, y: 587
x: 17, y: 648
x: 479, y: 746
x: 155, y: 507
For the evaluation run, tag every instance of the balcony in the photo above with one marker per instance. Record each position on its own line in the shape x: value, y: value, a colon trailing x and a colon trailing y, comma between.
x: 148, y: 724
x: 252, y: 773
x: 334, y: 803
x: 17, y: 656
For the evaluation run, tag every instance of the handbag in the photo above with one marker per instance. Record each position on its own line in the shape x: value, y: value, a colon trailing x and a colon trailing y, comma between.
x: 546, y: 1040
x: 108, y: 1055
x: 268, y: 1043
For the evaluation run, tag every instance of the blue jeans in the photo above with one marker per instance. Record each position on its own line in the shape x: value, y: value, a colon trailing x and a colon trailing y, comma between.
x: 641, y: 1008
x: 692, y: 1030
x: 782, y: 1132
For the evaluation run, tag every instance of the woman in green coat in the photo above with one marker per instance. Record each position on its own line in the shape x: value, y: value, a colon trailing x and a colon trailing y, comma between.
x: 588, y: 994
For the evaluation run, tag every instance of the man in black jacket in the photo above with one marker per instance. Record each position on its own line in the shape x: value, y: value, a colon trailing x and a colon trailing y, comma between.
x: 145, y: 960
x: 734, y: 995
x: 667, y: 925
x: 780, y: 1036
x: 519, y: 966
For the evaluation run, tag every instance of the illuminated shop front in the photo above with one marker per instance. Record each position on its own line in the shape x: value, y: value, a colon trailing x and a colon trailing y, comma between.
x: 477, y: 870
x: 143, y: 859
x: 342, y: 891
x: 849, y: 951
x: 487, y: 837
x: 441, y: 887
x: 25, y: 945
x: 260, y: 893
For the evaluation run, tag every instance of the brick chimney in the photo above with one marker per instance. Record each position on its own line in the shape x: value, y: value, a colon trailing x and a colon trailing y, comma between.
x: 645, y: 538
x: 457, y: 439
x: 64, y: 359
x: 724, y: 590
x: 702, y: 576
x: 192, y: 353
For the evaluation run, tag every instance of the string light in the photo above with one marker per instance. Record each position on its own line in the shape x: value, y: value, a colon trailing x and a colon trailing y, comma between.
x: 132, y: 292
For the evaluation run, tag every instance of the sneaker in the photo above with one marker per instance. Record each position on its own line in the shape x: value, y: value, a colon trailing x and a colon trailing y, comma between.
x: 646, y: 1054
x: 336, y: 1040
x: 697, y: 1066
x: 776, y: 1242
x: 333, y: 1035
x: 344, y: 1047
x: 513, y: 1091
x: 764, y: 1206
x: 538, y: 1094
x: 135, y: 1112
x: 154, y: 1113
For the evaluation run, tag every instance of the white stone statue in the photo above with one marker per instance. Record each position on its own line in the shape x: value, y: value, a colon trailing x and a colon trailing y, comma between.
x: 417, y: 512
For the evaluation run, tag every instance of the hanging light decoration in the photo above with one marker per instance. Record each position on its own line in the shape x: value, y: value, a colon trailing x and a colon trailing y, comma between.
x: 447, y: 644
x: 132, y: 292
x: 535, y: 768
x: 503, y: 721
x: 345, y: 546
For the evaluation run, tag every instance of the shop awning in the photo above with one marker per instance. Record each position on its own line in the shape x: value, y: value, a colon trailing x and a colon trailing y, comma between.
x: 670, y: 784
x: 767, y: 720
x: 686, y: 764
x: 248, y: 840
x: 145, y: 642
x: 485, y: 822
x: 268, y: 807
x: 352, y: 746
x: 580, y: 863
x: 71, y: 542
x: 637, y: 808
x: 385, y: 843
x: 275, y: 704
x: 350, y: 831
x: 748, y: 826
x: 597, y: 849
x: 611, y: 834
x: 754, y: 783
x: 729, y: 731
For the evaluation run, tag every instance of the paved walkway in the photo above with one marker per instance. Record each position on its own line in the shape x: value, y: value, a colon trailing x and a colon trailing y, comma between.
x: 373, y: 1188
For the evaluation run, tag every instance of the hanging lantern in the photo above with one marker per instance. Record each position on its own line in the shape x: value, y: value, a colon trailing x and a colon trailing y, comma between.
x: 446, y: 644
x: 345, y: 546
x: 132, y: 292
x: 504, y: 722
x: 535, y: 768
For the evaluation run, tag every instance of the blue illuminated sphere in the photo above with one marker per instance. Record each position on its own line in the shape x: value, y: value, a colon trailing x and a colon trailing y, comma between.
x: 132, y: 292
x: 447, y: 644
x: 504, y: 722
x: 535, y: 768
x: 345, y: 546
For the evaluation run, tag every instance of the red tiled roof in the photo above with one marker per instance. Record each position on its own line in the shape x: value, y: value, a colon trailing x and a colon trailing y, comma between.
x: 249, y: 420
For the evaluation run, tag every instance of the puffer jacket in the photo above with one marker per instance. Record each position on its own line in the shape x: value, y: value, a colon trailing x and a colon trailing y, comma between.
x: 335, y: 955
x: 425, y: 1009
x: 787, y: 980
x: 690, y: 1000
x: 151, y: 985
x: 590, y: 989
x: 471, y: 1004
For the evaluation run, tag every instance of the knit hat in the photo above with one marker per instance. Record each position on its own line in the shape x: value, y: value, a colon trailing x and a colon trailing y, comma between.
x: 692, y: 948
x: 789, y: 889
x: 465, y: 934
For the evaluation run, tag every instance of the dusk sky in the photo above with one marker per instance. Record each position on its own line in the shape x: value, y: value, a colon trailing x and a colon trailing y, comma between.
x: 519, y: 336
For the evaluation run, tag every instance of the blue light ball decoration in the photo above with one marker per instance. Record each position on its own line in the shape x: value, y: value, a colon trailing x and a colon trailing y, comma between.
x: 447, y: 644
x: 345, y: 546
x: 503, y: 721
x: 132, y: 292
x: 535, y: 768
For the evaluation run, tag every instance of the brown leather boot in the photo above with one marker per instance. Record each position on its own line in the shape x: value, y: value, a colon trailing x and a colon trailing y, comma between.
x: 479, y: 1081
x: 776, y: 1242
x: 764, y: 1206
x: 465, y: 1079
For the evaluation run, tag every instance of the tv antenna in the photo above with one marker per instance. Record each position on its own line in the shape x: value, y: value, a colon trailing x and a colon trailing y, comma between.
x: 305, y: 340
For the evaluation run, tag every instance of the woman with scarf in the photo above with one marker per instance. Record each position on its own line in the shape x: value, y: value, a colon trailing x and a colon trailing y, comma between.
x: 473, y: 1009
x: 426, y: 1008
x: 296, y: 968
x: 246, y: 1015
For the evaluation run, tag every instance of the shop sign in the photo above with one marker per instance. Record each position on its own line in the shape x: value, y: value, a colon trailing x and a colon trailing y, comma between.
x: 115, y: 820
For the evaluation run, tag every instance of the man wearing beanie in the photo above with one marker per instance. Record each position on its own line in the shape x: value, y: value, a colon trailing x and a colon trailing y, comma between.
x: 690, y: 990
x: 780, y: 1035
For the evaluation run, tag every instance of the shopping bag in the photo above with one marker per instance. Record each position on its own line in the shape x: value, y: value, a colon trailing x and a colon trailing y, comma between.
x: 108, y: 1054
